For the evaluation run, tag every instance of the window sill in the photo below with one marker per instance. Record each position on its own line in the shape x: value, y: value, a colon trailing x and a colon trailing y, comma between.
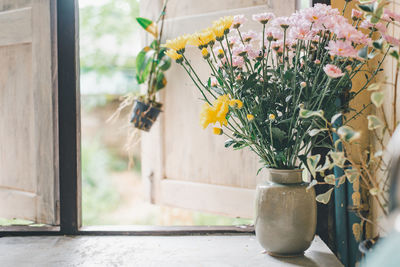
x: 215, y: 250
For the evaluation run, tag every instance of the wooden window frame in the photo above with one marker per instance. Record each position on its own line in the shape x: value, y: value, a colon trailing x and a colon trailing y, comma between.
x: 69, y: 149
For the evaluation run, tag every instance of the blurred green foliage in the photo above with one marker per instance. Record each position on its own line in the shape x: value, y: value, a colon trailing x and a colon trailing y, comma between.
x: 98, y: 194
x: 106, y: 29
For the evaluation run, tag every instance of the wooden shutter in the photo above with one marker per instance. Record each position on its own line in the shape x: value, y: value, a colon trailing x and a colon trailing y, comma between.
x: 184, y: 165
x: 28, y: 124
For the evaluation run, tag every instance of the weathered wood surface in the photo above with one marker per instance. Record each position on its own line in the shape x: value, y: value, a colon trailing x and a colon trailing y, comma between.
x: 28, y: 131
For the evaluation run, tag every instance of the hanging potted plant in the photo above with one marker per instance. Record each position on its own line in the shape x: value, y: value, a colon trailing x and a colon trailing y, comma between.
x: 151, y: 63
x: 266, y: 91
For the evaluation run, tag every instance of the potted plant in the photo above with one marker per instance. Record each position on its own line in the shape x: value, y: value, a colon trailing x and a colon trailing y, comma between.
x: 366, y: 167
x: 266, y: 91
x: 151, y: 63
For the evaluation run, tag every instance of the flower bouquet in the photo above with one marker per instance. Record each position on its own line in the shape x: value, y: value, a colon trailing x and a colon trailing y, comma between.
x: 271, y: 90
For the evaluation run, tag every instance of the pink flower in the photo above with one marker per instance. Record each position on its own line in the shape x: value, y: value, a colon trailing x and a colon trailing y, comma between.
x: 391, y: 40
x: 365, y: 24
x: 240, y: 50
x: 391, y: 14
x: 214, y: 81
x: 332, y: 71
x: 283, y: 22
x: 250, y: 35
x: 237, y: 62
x: 341, y: 48
x: 317, y: 61
x: 238, y: 20
x: 234, y: 40
x: 380, y: 27
x: 253, y: 52
x: 263, y: 17
x: 356, y: 14
x: 273, y: 33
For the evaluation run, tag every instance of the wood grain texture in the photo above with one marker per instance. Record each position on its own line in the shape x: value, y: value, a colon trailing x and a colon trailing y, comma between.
x: 182, y: 164
x: 27, y: 98
x: 16, y: 26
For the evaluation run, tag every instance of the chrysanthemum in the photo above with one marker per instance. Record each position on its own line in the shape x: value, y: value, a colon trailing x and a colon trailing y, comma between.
x: 238, y: 21
x: 218, y: 111
x: 178, y: 44
x: 202, y: 39
x: 342, y: 49
x: 174, y: 55
x: 263, y: 17
x: 333, y: 71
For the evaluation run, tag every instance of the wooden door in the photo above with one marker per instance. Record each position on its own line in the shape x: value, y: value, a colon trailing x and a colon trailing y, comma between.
x: 184, y: 165
x: 28, y: 108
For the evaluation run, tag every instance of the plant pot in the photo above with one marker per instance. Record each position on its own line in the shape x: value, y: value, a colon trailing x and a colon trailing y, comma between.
x: 286, y: 213
x: 143, y: 115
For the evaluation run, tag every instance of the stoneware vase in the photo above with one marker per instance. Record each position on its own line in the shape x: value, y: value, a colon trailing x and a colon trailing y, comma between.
x: 286, y: 213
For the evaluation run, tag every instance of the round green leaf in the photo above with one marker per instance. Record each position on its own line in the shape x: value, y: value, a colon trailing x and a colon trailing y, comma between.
x: 347, y: 134
x: 374, y: 122
x: 325, y: 197
x: 377, y: 99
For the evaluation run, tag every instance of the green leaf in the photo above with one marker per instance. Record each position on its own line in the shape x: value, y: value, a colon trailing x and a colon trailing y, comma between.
x: 330, y: 179
x: 312, y: 163
x: 347, y: 134
x: 311, y: 184
x: 144, y: 22
x: 395, y: 54
x: 338, y: 158
x: 351, y: 175
x: 374, y: 122
x: 367, y: 7
x: 229, y: 142
x: 327, y: 165
x: 374, y: 191
x: 377, y: 15
x: 314, y: 132
x: 378, y: 44
x: 335, y: 117
x: 160, y: 81
x: 325, y: 197
x: 342, y: 179
x: 374, y: 87
x: 377, y: 99
x: 165, y: 64
x: 278, y: 133
x: 363, y: 52
x: 305, y: 114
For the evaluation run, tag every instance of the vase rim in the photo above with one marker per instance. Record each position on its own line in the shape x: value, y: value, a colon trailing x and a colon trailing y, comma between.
x: 286, y: 170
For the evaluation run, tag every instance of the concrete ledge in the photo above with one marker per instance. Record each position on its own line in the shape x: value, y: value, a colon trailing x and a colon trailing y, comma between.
x: 242, y: 250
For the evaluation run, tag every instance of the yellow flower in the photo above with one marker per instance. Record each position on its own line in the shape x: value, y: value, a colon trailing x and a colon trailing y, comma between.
x: 236, y: 103
x: 205, y: 53
x: 174, y: 55
x: 218, y: 31
x: 217, y: 131
x: 250, y: 117
x: 178, y: 44
x: 202, y: 39
x: 271, y: 117
x: 225, y: 22
x: 215, y: 113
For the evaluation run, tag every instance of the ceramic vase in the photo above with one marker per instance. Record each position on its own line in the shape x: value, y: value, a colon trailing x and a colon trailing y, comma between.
x: 286, y: 213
